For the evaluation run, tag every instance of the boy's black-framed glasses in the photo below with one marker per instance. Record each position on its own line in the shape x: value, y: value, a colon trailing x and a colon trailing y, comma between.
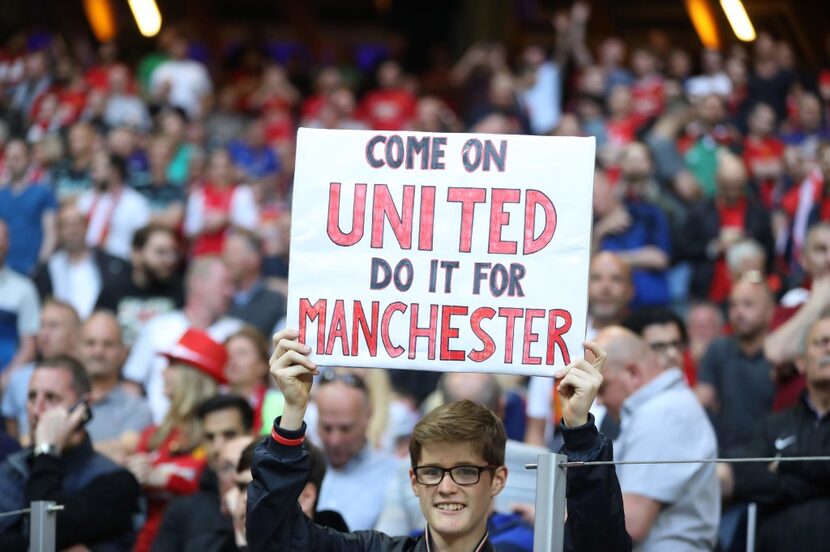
x: 462, y: 475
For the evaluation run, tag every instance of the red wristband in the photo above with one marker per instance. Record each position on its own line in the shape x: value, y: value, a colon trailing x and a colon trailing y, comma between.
x: 285, y: 441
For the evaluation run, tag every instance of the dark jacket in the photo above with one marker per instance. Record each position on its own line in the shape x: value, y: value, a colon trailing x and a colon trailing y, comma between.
x: 703, y: 226
x: 275, y: 522
x: 100, y: 499
x: 262, y: 309
x: 196, y: 523
x: 109, y: 267
x: 794, y: 499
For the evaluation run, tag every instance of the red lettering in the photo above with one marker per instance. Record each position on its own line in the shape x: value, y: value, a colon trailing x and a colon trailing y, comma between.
x: 429, y: 332
x: 358, y: 215
x: 489, y: 346
x: 448, y: 332
x: 338, y: 329
x: 499, y: 218
x: 532, y: 199
x: 370, y: 331
x: 531, y: 337
x: 468, y: 197
x: 427, y: 218
x: 555, y: 333
x: 392, y: 350
x: 401, y: 223
x: 510, y: 315
x: 316, y: 312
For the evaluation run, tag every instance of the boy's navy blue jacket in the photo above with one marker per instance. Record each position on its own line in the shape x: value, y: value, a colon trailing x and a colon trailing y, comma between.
x: 596, y: 520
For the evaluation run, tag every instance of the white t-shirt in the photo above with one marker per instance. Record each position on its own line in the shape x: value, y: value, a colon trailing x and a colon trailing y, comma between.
x: 189, y: 82
x: 114, y: 218
x: 79, y: 283
x: 145, y: 364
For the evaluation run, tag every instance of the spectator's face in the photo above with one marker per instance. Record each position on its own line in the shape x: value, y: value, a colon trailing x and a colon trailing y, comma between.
x: 245, y: 367
x: 614, y: 390
x: 750, y: 310
x: 711, y: 61
x: 48, y: 388
x: 762, y: 120
x: 609, y: 288
x: 666, y: 341
x: 219, y: 428
x: 102, y: 350
x: 160, y: 256
x: 221, y: 168
x: 636, y: 163
x: 343, y: 419
x: 731, y: 181
x: 619, y: 100
x: 816, y: 254
x: 80, y: 140
x: 809, y: 113
x: 815, y: 364
x: 17, y: 159
x: 58, y: 333
x: 256, y: 134
x: 71, y: 228
x: 239, y: 258
x: 704, y: 323
x: 101, y: 170
x: 455, y: 511
x: 229, y: 455
x: 215, y: 289
x: 643, y: 63
x: 119, y: 79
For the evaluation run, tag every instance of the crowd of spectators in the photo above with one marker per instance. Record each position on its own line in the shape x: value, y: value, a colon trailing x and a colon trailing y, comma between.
x: 144, y: 245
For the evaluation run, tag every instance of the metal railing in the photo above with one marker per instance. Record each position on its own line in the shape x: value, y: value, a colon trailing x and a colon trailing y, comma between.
x: 41, y: 524
x: 551, y: 479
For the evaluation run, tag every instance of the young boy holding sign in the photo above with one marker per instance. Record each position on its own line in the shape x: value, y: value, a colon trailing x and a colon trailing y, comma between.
x: 457, y: 454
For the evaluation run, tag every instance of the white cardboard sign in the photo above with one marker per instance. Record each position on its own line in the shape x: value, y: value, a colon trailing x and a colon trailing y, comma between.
x: 448, y: 252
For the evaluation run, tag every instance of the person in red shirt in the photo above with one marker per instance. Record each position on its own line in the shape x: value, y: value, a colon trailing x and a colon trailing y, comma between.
x: 763, y: 153
x: 391, y: 106
x: 715, y: 224
x: 169, y: 460
x: 218, y: 206
x: 647, y: 90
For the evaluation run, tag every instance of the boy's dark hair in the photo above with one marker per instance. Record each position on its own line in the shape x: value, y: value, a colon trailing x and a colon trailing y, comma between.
x: 227, y: 402
x: 461, y: 422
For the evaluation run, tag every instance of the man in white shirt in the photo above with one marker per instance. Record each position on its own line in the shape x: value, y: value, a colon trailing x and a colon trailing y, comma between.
x: 76, y: 273
x: 208, y: 295
x: 181, y: 82
x: 114, y: 211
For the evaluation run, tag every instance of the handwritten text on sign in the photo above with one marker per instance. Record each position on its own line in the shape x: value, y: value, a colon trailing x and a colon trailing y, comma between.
x: 444, y: 252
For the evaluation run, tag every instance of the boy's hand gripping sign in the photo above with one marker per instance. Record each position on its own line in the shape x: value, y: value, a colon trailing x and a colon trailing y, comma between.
x: 449, y: 252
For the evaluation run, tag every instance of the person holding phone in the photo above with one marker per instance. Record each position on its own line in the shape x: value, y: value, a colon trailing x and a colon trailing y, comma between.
x: 100, y: 499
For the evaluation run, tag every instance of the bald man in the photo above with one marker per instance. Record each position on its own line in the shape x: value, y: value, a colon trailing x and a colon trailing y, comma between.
x: 667, y: 506
x: 734, y: 378
x: 118, y: 416
x: 610, y: 290
x: 355, y: 469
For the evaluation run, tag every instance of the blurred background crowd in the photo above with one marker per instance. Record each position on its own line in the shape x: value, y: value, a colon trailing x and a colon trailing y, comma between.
x: 145, y: 211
